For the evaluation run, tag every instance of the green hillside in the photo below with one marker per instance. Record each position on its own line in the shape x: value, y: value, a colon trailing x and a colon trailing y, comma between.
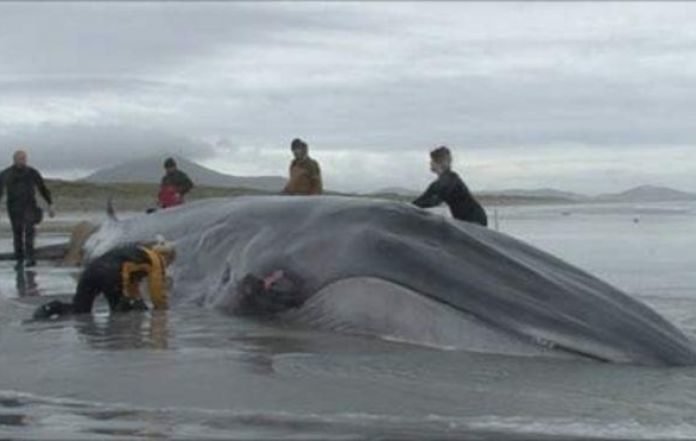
x: 83, y: 196
x: 71, y: 195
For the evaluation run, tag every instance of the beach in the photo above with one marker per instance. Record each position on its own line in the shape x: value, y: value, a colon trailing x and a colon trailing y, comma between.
x: 195, y: 372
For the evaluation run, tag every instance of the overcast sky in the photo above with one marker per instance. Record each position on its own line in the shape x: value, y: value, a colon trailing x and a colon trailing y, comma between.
x: 586, y: 97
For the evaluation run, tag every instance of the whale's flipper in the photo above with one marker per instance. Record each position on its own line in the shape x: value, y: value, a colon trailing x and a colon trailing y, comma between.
x: 110, y: 211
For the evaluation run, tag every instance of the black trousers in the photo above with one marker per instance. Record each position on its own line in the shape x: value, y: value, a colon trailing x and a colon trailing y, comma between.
x: 23, y: 231
x: 98, y: 278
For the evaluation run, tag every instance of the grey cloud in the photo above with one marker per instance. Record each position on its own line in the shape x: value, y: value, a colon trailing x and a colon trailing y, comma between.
x: 76, y: 86
x: 80, y: 147
x: 475, y: 110
x: 129, y: 38
x: 111, y: 81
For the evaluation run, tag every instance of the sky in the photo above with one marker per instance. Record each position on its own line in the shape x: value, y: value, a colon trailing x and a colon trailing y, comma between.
x: 587, y: 97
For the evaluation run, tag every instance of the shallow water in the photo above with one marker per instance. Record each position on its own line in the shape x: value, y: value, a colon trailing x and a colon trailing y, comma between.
x: 199, y: 374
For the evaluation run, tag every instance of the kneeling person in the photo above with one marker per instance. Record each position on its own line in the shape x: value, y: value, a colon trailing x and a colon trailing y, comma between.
x: 117, y: 274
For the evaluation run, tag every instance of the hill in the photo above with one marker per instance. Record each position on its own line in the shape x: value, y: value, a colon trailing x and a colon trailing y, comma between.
x: 541, y: 193
x: 397, y: 191
x: 648, y: 193
x: 86, y: 196
x: 150, y: 170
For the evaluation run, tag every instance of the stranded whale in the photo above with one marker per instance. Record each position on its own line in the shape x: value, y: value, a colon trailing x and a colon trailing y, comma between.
x: 391, y: 269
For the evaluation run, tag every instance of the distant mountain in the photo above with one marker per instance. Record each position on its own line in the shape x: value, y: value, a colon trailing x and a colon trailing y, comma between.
x: 150, y: 170
x: 648, y: 193
x: 541, y: 193
x: 399, y: 191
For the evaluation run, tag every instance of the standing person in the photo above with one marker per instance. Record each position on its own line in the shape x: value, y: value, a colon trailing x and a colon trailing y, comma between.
x: 175, y: 184
x: 21, y: 182
x: 305, y: 175
x: 450, y: 189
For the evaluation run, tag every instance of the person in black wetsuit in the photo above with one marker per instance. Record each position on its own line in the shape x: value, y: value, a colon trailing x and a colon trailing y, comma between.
x: 450, y: 189
x: 117, y: 274
x: 21, y: 182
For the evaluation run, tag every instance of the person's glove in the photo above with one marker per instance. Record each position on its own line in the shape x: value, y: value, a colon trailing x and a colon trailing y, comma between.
x: 127, y: 304
x: 56, y: 308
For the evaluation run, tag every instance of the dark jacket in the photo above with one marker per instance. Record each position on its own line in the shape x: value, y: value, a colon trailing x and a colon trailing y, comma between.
x: 21, y: 184
x: 178, y: 180
x: 450, y: 189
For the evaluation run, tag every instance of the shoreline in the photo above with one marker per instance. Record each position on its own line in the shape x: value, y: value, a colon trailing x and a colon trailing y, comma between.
x: 81, y: 196
x: 77, y: 201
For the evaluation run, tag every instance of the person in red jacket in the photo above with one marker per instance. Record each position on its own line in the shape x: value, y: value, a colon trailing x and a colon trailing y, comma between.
x: 175, y: 184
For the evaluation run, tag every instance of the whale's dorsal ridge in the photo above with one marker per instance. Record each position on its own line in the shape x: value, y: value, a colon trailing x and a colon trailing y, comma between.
x: 110, y: 211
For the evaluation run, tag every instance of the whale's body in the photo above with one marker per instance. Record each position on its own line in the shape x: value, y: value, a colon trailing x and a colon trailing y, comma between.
x: 391, y: 269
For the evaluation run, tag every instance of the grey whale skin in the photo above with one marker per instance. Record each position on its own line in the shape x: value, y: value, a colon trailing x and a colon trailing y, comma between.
x: 484, y: 282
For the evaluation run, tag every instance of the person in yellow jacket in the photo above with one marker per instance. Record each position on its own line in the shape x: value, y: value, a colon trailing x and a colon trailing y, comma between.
x: 117, y: 274
x: 305, y: 174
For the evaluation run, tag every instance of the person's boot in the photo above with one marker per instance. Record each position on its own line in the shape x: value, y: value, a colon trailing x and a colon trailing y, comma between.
x: 19, y: 257
x: 29, y: 260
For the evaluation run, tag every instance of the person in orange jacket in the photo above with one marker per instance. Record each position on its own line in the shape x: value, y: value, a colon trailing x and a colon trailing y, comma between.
x: 117, y: 274
x: 305, y: 174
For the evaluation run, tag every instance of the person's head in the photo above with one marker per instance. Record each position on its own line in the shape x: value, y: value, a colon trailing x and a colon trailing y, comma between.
x: 440, y: 160
x: 169, y: 165
x: 299, y: 148
x: 19, y: 158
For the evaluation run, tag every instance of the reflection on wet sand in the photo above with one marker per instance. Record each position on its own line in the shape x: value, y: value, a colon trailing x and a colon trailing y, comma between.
x: 134, y: 330
x: 154, y: 330
x: 26, y: 284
